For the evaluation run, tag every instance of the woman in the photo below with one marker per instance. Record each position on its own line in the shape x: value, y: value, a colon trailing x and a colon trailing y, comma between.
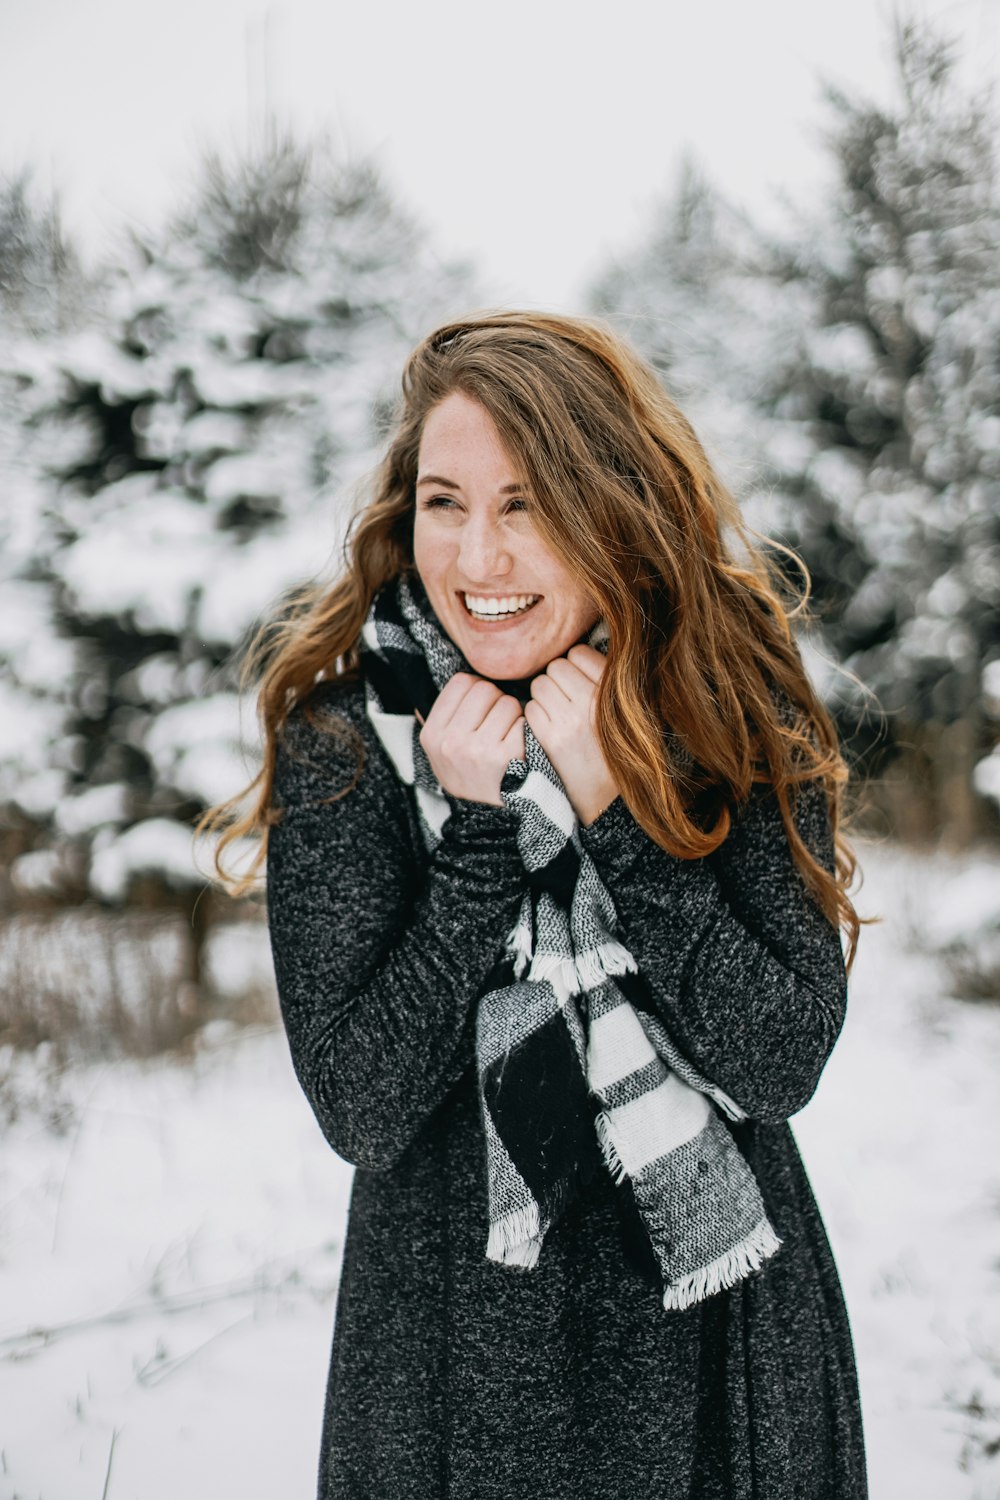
x: 554, y: 899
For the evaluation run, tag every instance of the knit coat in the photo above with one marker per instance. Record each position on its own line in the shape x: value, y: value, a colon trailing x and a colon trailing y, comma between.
x: 453, y: 1378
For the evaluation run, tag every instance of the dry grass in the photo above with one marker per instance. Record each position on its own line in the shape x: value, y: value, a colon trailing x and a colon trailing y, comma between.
x: 91, y: 983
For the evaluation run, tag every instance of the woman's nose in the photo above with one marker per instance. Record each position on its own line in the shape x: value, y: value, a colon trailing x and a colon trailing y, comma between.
x: 484, y: 552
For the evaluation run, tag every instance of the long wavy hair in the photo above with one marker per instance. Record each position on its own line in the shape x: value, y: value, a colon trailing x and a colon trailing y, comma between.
x: 704, y: 695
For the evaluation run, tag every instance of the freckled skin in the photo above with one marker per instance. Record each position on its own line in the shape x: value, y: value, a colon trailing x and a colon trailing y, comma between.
x: 475, y: 539
x: 474, y: 536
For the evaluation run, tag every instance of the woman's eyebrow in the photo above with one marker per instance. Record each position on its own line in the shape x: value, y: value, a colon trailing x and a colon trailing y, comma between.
x: 449, y: 484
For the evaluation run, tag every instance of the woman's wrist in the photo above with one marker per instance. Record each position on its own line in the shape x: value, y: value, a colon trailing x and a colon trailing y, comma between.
x: 596, y: 803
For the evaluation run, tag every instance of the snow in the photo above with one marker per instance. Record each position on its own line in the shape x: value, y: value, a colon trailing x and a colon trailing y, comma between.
x: 177, y: 1228
x: 147, y: 559
x: 966, y: 899
x: 198, y: 748
x: 986, y: 776
x: 155, y: 846
x: 837, y: 474
x: 842, y: 350
x: 93, y: 808
x: 38, y: 871
x: 250, y: 581
x: 38, y: 794
x: 197, y: 1231
x: 28, y: 725
x: 42, y: 661
x: 899, y: 1146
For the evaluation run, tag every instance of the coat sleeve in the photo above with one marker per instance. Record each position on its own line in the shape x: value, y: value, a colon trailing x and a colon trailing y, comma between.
x: 378, y: 956
x: 742, y: 966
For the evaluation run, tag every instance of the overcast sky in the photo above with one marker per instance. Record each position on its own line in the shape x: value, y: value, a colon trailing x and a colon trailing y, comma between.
x: 531, y: 135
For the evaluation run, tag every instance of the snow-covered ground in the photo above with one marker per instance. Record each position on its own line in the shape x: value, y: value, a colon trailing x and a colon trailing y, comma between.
x: 169, y: 1256
x: 900, y: 1143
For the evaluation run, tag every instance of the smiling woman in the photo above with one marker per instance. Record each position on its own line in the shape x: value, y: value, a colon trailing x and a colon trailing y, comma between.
x: 554, y: 886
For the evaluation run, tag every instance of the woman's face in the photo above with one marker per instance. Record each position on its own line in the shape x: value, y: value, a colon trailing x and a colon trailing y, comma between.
x: 508, y: 603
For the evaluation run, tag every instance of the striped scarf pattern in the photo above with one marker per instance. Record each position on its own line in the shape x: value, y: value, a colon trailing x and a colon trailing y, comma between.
x: 566, y: 1046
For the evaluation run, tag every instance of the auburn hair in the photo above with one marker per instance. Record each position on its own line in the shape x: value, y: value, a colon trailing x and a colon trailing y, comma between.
x: 704, y: 695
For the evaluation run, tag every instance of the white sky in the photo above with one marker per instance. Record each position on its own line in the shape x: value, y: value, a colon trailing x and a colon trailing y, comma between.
x: 530, y: 135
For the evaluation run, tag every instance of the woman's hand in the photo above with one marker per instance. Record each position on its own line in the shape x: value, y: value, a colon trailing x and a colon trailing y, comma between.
x: 561, y: 715
x: 470, y: 734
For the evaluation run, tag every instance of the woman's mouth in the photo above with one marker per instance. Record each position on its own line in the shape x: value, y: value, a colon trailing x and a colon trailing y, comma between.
x: 498, y: 606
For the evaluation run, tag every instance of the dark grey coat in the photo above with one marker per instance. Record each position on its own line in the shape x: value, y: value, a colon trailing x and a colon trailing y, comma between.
x: 454, y: 1377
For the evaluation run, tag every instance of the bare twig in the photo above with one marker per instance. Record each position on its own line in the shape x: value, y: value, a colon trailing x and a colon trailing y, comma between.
x: 157, y: 1369
x: 31, y: 1340
x: 107, y: 1472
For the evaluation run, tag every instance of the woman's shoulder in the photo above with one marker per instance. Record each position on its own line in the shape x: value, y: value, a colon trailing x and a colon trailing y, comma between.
x: 328, y: 746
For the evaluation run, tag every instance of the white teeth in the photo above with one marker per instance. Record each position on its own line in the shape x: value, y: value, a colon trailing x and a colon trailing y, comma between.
x: 511, y: 604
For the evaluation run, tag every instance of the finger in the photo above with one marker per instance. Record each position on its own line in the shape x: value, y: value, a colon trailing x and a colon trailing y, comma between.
x: 419, y: 717
x: 475, y: 707
x: 450, y: 699
x: 513, y: 740
x: 502, y: 716
x: 569, y: 679
x: 588, y: 661
x: 537, y: 717
x: 550, y: 695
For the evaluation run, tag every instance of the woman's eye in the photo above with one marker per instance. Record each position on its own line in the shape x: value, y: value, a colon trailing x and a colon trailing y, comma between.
x: 518, y: 504
x: 439, y: 502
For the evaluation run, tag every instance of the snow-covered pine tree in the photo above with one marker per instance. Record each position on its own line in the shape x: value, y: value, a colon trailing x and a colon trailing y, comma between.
x: 694, y: 298
x: 44, y: 293
x: 883, y: 422
x: 699, y: 296
x: 218, y: 417
x: 43, y: 288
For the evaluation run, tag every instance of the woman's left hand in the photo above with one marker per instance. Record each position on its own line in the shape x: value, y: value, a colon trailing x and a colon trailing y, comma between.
x: 562, y: 718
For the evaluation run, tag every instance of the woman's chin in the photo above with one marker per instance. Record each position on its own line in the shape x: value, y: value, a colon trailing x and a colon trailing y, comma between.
x: 499, y: 666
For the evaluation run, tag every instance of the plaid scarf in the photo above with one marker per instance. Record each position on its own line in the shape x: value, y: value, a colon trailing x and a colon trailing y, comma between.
x: 564, y: 1045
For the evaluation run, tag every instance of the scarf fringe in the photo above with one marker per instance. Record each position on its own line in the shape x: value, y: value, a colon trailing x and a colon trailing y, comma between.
x: 516, y: 1239
x: 578, y: 973
x: 520, y: 943
x: 598, y: 964
x: 730, y: 1269
x: 728, y: 1106
x: 609, y: 1150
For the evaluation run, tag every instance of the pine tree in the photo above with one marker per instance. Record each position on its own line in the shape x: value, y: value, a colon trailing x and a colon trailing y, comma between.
x: 693, y: 297
x: 884, y: 416
x: 43, y: 288
x: 701, y: 298
x: 44, y: 293
x: 213, y: 427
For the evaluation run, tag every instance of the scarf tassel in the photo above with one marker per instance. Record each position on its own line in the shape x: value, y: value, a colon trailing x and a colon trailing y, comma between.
x: 728, y: 1271
x: 516, y: 1239
x: 574, y: 974
x: 609, y: 1151
x: 718, y: 1275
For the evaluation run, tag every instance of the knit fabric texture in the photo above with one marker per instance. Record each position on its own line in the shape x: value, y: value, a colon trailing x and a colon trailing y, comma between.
x: 561, y: 1049
x: 450, y: 1378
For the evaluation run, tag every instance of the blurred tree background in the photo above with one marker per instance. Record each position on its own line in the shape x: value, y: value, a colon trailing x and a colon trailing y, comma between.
x: 852, y: 369
x: 184, y: 429
x: 185, y: 438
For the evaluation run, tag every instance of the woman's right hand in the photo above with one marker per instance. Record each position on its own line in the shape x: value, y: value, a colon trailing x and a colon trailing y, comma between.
x: 469, y: 736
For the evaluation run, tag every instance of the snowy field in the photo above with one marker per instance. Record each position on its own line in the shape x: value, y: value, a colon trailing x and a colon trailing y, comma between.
x: 170, y: 1238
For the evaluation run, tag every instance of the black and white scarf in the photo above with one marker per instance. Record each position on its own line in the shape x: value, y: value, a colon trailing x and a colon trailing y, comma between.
x: 564, y: 1047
